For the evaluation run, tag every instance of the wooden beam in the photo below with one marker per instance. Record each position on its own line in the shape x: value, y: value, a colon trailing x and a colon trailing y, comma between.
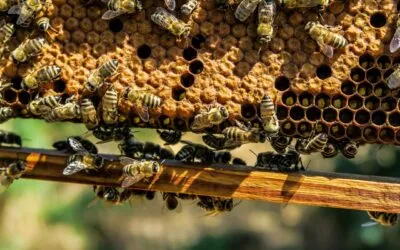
x: 306, y: 188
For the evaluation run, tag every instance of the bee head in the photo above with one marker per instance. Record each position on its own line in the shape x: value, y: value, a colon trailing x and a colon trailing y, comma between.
x: 18, y: 56
x: 224, y: 112
x: 309, y: 25
x: 21, y: 166
x: 156, y: 167
x: 110, y: 194
x: 99, y: 161
x: 262, y: 136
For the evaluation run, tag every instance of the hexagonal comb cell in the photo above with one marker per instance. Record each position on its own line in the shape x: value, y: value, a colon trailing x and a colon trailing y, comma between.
x: 289, y: 98
x: 304, y: 129
x: 24, y: 97
x: 366, y: 61
x: 381, y: 90
x: 329, y: 115
x: 388, y: 104
x: 198, y: 41
x: 164, y: 121
x: 313, y: 114
x: 288, y: 128
x: 337, y: 131
x: 196, y: 67
x: 377, y: 20
x: 189, y: 54
x: 339, y: 101
x: 355, y: 102
x: 144, y: 51
x: 297, y: 113
x: 364, y: 89
x: 115, y: 25
x: 384, y: 62
x: 282, y: 83
x: 370, y: 134
x: 180, y: 124
x: 372, y: 103
x: 16, y: 82
x: 348, y: 88
x: 178, y: 93
x: 282, y: 112
x: 10, y: 96
x: 394, y: 119
x: 306, y: 99
x: 362, y: 116
x: 324, y: 71
x: 248, y: 111
x: 353, y: 132
x: 386, y: 135
x: 322, y: 100
x: 357, y: 74
x: 346, y: 115
x: 374, y: 75
x: 187, y: 80
x: 59, y: 86
x: 379, y: 117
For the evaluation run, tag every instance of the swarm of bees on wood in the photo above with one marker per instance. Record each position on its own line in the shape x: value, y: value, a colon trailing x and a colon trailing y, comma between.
x: 143, y: 160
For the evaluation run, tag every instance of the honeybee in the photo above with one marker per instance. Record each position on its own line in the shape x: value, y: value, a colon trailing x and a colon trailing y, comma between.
x: 245, y: 9
x: 26, y: 10
x: 238, y: 161
x: 131, y: 147
x: 194, y: 152
x: 214, y: 115
x: 315, y: 144
x: 142, y: 100
x: 44, y: 105
x: 171, y: 137
x: 68, y: 111
x: 171, y: 4
x: 97, y: 77
x: 393, y: 81
x: 120, y: 7
x: 287, y: 162
x: 43, y: 25
x: 29, y: 48
x: 290, y: 4
x: 223, y: 157
x: 107, y: 134
x: 266, y: 17
x: 382, y: 218
x: 326, y: 37
x: 171, y: 201
x: 241, y: 135
x: 82, y: 160
x: 6, y: 31
x: 169, y: 22
x: 64, y: 145
x: 216, y: 142
x: 215, y: 205
x: 6, y: 113
x: 41, y: 76
x: 189, y: 7
x: 269, y: 119
x: 110, y: 106
x: 10, y: 138
x: 395, y: 42
x: 280, y: 143
x: 108, y: 194
x: 186, y: 154
x: 135, y: 170
x: 349, y: 149
x: 89, y: 114
x: 330, y: 150
x: 11, y: 172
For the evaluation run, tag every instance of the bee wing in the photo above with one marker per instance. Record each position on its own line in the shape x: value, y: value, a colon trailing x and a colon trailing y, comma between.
x: 110, y: 14
x: 14, y: 10
x: 171, y: 4
x: 143, y: 112
x: 393, y: 81
x: 73, y: 168
x: 369, y: 224
x: 126, y: 160
x: 249, y: 5
x: 395, y: 43
x: 326, y: 49
x: 232, y: 144
x: 76, y: 145
x: 130, y: 180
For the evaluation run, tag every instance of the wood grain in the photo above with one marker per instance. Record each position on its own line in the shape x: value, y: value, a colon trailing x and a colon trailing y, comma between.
x: 306, y: 188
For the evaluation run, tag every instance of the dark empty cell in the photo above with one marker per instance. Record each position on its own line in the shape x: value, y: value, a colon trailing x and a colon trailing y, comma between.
x: 313, y: 114
x: 304, y: 129
x: 366, y: 61
x: 178, y: 93
x: 396, y: 61
x: 289, y: 98
x: 248, y: 111
x: 394, y: 119
x: 59, y: 86
x: 337, y: 131
x: 370, y: 134
x: 297, y: 113
x: 282, y: 83
x: 384, y: 62
x: 381, y: 90
x: 322, y: 101
x: 348, y: 87
x: 388, y: 104
x: 24, y: 97
x: 306, y: 99
x: 324, y: 71
x: 387, y: 135
x: 144, y: 51
x: 198, y: 41
x: 329, y: 114
x: 189, y: 54
x: 115, y: 25
x: 187, y: 80
x: 345, y: 115
x: 16, y: 82
x: 378, y: 117
x: 196, y: 67
x: 339, y: 101
x: 355, y: 102
x: 288, y: 128
x: 164, y: 121
x: 353, y: 132
x: 362, y: 116
x: 377, y: 20
x: 10, y: 96
x: 282, y: 112
x: 374, y: 75
x: 180, y: 124
x: 372, y: 103
x: 357, y: 74
x: 364, y: 89
x: 387, y: 73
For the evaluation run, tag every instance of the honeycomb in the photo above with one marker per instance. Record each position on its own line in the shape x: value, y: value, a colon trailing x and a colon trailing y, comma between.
x: 221, y: 61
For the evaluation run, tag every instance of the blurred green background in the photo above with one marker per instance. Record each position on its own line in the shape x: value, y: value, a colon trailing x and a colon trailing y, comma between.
x: 45, y: 215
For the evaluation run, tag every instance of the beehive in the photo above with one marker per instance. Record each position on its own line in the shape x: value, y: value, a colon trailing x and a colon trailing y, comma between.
x: 223, y: 62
